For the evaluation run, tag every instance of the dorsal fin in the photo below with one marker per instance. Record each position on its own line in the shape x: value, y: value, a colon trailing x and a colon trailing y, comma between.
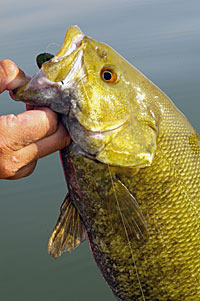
x: 68, y: 232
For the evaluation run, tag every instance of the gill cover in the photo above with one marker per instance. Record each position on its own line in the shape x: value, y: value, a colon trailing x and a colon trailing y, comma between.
x: 133, y: 146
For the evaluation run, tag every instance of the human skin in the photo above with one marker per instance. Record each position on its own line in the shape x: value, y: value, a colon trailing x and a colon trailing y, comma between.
x: 28, y: 136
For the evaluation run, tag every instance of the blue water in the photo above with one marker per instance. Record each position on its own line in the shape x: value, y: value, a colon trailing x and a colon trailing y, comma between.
x: 162, y: 39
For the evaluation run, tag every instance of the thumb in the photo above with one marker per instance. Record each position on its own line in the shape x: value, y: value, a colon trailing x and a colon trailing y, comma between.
x: 11, y: 76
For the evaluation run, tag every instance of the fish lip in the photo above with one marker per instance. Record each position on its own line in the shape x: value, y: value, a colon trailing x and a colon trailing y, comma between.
x: 76, y: 43
x: 76, y: 67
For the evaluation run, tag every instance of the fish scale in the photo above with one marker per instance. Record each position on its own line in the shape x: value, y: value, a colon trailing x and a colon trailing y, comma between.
x: 132, y: 170
x: 171, y: 244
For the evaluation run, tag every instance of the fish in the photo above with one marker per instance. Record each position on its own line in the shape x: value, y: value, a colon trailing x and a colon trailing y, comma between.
x: 132, y: 170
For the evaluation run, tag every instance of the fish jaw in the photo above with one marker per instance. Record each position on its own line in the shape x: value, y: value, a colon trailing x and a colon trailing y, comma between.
x: 36, y: 94
x: 53, y: 84
x: 41, y: 91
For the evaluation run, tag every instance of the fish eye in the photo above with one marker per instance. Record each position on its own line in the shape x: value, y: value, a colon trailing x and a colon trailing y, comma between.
x: 108, y: 75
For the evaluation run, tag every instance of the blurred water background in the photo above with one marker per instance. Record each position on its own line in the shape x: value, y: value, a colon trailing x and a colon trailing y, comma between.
x: 162, y: 39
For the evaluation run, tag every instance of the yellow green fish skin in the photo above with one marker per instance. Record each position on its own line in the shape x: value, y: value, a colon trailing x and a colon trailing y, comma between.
x: 135, y: 146
x: 166, y: 266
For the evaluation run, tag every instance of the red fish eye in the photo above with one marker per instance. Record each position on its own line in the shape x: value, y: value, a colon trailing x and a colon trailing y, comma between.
x: 108, y: 75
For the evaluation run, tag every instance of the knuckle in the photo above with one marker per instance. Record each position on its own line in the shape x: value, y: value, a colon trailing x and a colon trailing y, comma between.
x: 6, y: 170
x: 7, y: 121
x: 6, y: 146
x: 9, y: 166
x: 3, y: 147
x: 49, y: 121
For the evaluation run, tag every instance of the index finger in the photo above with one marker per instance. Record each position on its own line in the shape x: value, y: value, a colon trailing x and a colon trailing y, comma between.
x: 28, y: 127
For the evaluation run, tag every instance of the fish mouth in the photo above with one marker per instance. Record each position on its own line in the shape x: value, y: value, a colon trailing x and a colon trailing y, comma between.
x: 52, y: 85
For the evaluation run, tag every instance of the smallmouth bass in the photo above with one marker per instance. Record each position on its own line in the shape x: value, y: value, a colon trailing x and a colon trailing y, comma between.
x: 132, y: 169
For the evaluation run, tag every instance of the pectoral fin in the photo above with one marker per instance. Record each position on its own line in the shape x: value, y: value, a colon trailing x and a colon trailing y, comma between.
x: 130, y: 212
x: 69, y: 231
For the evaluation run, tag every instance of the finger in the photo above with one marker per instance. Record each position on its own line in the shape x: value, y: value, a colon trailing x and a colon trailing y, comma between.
x: 53, y: 143
x: 11, y: 76
x: 11, y: 163
x: 24, y: 171
x: 41, y: 148
x: 28, y: 127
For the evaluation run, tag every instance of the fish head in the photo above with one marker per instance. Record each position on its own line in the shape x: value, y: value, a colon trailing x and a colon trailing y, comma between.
x: 96, y: 91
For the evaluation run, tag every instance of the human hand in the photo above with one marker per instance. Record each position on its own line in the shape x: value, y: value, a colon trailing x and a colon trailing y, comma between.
x: 28, y: 136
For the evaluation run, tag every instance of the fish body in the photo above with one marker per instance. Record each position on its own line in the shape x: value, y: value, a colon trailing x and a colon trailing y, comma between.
x: 132, y: 169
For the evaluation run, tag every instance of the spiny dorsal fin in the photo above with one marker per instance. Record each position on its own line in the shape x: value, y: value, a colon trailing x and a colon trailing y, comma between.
x: 69, y: 231
x: 131, y: 213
